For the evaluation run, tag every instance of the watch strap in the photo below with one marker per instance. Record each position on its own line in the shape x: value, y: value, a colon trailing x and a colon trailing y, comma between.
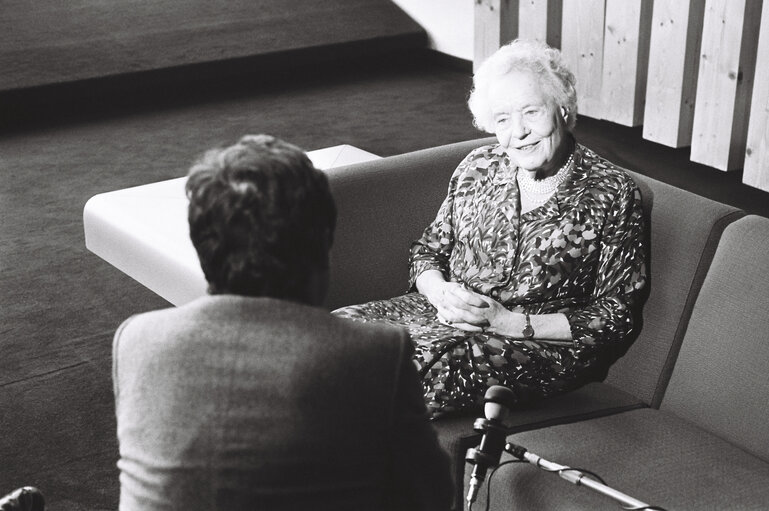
x: 528, y: 330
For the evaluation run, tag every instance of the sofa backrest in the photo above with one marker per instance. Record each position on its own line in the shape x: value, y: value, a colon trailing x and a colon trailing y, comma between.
x: 721, y: 378
x: 684, y: 229
x: 385, y: 204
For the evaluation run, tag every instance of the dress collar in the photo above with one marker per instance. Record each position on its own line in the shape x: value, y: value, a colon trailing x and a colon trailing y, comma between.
x: 567, y: 192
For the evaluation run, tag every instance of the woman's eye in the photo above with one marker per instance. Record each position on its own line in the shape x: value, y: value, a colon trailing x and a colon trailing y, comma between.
x: 533, y: 112
x: 501, y: 121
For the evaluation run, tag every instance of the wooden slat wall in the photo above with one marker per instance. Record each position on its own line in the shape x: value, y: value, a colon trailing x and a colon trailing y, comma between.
x: 724, y: 82
x: 674, y: 56
x: 757, y: 151
x: 582, y: 47
x: 625, y: 60
x: 496, y: 23
x: 541, y: 20
x: 684, y: 69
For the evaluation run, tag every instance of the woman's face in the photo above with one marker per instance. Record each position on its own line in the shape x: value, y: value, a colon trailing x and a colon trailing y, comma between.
x: 527, y: 122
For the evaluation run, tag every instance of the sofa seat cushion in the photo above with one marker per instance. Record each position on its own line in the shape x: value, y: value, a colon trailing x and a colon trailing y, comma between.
x: 650, y: 455
x: 456, y: 434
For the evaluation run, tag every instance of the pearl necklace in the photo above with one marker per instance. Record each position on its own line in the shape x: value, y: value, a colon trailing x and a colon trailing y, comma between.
x: 546, y: 186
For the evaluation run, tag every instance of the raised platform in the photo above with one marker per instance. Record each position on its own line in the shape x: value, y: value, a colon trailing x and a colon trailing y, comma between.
x: 143, y: 230
x: 51, y: 42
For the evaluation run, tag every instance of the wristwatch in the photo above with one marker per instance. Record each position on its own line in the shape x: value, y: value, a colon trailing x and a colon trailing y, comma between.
x: 528, y: 330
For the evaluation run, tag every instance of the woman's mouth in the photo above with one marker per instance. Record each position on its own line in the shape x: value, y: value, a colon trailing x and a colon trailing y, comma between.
x: 528, y: 147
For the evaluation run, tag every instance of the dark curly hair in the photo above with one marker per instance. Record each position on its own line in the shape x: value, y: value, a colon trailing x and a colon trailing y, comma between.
x: 261, y: 218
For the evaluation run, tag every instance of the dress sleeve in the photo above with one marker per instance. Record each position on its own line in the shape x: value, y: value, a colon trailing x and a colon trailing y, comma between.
x: 433, y: 250
x: 607, y: 318
x: 421, y: 468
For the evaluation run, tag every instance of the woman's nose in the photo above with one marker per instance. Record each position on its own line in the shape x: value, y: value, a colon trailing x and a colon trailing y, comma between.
x: 516, y: 130
x: 517, y: 127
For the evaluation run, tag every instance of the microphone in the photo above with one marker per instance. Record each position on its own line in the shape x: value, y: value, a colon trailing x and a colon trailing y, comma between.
x: 497, y: 402
x: 27, y: 498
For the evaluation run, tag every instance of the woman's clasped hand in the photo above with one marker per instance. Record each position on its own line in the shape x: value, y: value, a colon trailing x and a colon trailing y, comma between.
x: 458, y: 306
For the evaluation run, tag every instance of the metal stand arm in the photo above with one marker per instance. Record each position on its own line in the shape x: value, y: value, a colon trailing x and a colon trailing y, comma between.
x: 577, y: 477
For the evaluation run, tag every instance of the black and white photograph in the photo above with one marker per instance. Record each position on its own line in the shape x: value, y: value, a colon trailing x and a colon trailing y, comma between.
x: 384, y: 255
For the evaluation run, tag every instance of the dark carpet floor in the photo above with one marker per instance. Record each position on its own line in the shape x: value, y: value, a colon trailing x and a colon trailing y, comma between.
x: 59, y: 304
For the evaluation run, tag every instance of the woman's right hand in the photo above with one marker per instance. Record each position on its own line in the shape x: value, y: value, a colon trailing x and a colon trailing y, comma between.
x: 456, y: 305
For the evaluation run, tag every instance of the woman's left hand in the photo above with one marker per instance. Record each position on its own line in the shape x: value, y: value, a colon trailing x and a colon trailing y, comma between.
x: 495, y: 313
x: 496, y: 317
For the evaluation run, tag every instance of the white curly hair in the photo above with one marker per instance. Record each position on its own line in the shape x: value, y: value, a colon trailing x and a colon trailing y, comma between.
x: 524, y: 55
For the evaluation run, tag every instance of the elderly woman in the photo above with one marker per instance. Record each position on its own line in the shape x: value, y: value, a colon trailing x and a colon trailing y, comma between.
x: 529, y: 274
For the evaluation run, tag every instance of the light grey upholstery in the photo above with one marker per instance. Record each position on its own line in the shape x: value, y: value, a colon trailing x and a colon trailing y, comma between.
x: 385, y: 204
x: 647, y: 454
x: 721, y: 378
x: 683, y: 232
x: 707, y: 447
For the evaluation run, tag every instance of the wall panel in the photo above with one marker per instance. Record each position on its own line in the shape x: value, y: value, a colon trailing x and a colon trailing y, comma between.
x: 496, y: 23
x: 582, y: 31
x: 724, y: 82
x: 674, y: 49
x: 625, y: 60
x: 757, y: 151
x: 541, y: 20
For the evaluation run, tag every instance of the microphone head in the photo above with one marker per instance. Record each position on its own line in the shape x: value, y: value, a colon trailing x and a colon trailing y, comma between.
x: 498, y: 401
x: 495, y: 412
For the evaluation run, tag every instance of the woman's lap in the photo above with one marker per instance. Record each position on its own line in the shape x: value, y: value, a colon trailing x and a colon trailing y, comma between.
x: 457, y: 366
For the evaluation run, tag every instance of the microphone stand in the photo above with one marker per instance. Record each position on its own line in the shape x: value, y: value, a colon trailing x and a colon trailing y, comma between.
x: 486, y: 455
x: 576, y: 477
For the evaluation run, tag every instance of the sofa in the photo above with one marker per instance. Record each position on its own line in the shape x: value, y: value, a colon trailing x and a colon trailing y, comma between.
x: 680, y: 420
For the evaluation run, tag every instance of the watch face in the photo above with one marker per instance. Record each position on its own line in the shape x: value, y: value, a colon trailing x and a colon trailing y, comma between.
x: 528, y: 332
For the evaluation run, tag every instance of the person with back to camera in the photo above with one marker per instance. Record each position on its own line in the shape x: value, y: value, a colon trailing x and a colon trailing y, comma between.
x: 530, y: 274
x: 253, y: 397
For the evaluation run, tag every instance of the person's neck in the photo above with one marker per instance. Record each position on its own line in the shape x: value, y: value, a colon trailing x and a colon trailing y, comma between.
x: 553, y: 166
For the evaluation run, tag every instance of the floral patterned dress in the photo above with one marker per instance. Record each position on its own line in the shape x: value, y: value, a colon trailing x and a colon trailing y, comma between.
x: 581, y: 254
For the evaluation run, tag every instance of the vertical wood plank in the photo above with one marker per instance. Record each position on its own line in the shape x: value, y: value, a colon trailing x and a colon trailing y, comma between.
x: 674, y: 51
x: 532, y: 20
x: 496, y: 23
x: 625, y: 60
x: 541, y: 20
x: 554, y: 22
x: 757, y: 151
x: 582, y: 48
x: 725, y: 82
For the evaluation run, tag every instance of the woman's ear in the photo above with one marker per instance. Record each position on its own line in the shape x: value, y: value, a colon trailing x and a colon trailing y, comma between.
x: 564, y: 113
